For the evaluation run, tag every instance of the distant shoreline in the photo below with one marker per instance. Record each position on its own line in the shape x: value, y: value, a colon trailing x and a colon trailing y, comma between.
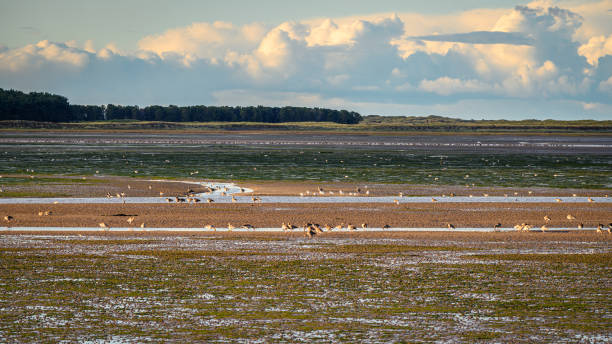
x: 397, y: 127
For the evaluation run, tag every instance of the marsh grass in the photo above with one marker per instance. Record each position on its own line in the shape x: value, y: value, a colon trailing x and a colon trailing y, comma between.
x: 383, y: 248
x: 241, y: 289
x: 604, y: 259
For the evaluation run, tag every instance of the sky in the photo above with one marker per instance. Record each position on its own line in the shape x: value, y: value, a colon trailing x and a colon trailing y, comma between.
x: 493, y: 59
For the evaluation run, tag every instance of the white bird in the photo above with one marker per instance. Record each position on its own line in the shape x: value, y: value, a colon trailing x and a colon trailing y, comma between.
x: 570, y: 217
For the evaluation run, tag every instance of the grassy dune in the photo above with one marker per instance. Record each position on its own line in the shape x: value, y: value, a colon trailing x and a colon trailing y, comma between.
x: 396, y: 124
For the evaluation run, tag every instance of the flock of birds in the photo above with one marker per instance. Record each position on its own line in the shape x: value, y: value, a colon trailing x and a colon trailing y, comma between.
x: 312, y: 229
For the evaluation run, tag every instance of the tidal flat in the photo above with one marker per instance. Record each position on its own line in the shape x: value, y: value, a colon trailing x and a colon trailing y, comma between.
x: 263, y: 287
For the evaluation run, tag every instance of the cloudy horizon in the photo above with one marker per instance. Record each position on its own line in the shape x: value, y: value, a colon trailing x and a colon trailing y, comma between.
x: 543, y: 59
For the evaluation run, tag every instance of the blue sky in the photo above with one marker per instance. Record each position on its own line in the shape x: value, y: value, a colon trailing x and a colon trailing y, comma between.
x: 469, y: 59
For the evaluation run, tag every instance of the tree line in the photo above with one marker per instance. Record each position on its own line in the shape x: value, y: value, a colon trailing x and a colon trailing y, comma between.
x: 47, y: 107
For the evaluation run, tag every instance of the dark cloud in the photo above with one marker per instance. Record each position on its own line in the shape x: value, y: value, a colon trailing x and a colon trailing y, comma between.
x: 482, y: 37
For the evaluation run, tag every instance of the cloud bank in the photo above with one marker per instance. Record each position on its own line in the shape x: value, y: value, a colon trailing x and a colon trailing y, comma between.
x: 533, y: 61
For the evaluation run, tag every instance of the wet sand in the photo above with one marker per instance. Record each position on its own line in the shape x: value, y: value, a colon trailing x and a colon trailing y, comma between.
x: 414, y: 215
x: 99, y: 186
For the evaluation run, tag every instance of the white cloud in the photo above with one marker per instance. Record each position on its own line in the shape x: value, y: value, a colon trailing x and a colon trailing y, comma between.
x: 606, y: 86
x: 595, y: 48
x: 523, y: 54
x: 36, y: 55
x: 204, y: 40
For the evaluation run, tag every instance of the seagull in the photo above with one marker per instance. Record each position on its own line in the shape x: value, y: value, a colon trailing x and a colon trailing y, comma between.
x: 497, y: 226
x: 450, y: 226
x: 351, y: 227
x: 247, y: 226
x: 546, y: 218
x: 8, y: 218
x: 364, y: 225
x: 104, y: 226
x: 580, y: 225
x: 599, y: 228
